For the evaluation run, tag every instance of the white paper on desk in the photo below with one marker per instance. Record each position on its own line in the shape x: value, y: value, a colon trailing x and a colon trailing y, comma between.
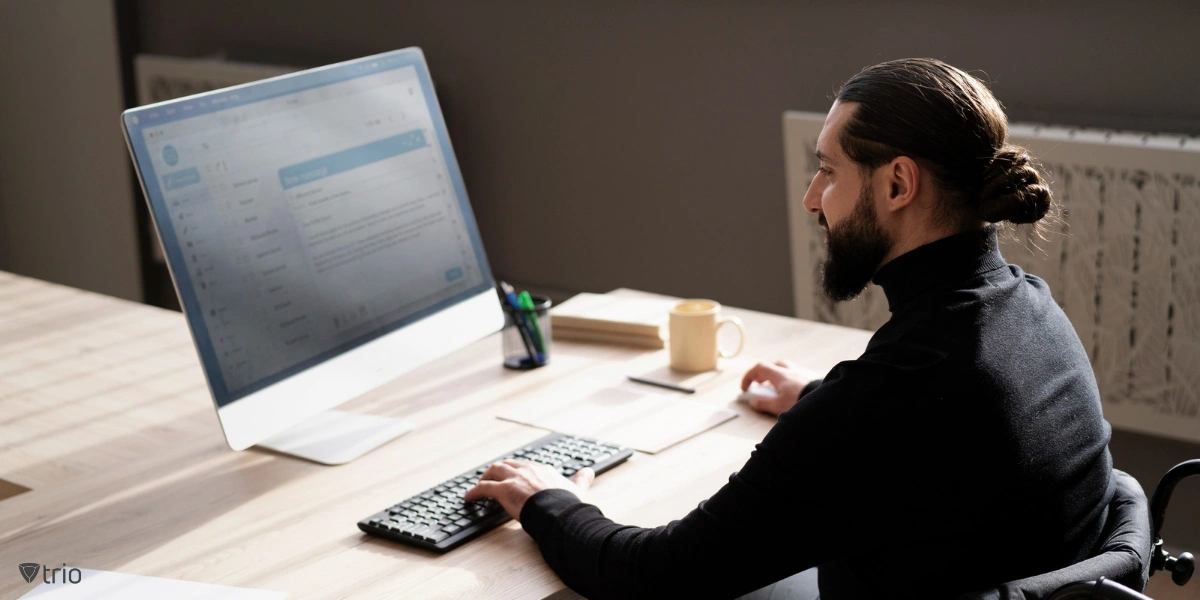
x: 644, y: 421
x: 107, y: 585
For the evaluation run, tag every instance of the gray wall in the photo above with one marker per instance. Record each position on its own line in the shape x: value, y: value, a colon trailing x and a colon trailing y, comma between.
x: 66, y: 197
x: 631, y: 144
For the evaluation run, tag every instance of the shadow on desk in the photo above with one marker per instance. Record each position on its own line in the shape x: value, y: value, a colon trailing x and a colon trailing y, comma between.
x: 502, y: 563
x: 158, y: 499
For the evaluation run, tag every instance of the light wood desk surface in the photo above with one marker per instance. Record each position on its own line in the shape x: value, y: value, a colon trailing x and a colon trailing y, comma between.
x: 105, y: 416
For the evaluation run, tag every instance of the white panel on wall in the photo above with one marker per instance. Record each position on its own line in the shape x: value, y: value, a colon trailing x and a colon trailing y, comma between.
x: 1124, y: 262
x: 162, y: 78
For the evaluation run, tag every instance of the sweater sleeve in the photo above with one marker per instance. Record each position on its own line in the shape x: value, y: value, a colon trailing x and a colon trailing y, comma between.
x: 722, y: 549
x: 791, y: 489
x: 810, y: 386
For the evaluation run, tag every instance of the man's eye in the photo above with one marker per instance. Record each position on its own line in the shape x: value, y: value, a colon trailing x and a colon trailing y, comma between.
x: 824, y: 171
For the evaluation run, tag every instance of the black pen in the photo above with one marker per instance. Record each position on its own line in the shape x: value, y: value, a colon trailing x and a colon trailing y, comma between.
x: 662, y: 384
x: 519, y: 323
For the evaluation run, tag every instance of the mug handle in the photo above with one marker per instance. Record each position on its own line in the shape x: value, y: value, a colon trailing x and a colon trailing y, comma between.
x: 736, y: 322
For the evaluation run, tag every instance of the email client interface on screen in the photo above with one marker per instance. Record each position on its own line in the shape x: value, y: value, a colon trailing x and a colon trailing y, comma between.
x: 308, y: 215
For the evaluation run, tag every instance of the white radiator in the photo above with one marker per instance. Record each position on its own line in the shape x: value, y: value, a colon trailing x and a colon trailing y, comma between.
x: 1124, y: 264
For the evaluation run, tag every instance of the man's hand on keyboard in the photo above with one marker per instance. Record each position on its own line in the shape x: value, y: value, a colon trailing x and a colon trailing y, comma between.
x: 513, y: 482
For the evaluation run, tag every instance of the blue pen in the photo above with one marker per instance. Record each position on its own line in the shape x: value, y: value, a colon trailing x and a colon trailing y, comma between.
x: 522, y: 325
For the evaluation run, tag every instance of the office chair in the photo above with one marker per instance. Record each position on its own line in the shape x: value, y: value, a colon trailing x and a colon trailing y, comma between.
x: 1126, y: 558
x: 1181, y: 567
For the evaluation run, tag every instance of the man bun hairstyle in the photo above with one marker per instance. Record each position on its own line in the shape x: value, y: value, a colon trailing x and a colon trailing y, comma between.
x: 1013, y: 189
x: 949, y: 122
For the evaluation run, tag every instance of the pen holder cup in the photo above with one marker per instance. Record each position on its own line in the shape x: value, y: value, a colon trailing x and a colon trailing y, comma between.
x: 527, y: 330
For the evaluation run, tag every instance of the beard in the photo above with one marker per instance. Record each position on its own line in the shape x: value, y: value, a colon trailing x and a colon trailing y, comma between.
x: 857, y: 246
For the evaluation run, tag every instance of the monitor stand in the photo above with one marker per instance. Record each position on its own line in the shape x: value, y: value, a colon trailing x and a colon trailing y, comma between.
x: 336, y: 437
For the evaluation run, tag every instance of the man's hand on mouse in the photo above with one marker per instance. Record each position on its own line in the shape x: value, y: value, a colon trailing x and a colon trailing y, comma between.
x: 513, y: 482
x: 788, y: 380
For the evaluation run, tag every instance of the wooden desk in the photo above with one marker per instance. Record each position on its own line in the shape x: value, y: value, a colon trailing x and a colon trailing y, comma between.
x: 105, y: 417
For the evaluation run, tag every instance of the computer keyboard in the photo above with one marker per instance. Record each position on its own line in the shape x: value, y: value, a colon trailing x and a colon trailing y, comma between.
x: 437, y: 519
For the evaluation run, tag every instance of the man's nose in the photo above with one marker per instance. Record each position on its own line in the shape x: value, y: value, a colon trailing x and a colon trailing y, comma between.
x: 812, y: 198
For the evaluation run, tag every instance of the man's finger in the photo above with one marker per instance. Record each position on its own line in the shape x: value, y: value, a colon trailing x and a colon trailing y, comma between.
x: 763, y: 372
x: 761, y: 404
x: 751, y: 376
x: 498, y: 472
x: 787, y: 364
x: 517, y: 464
x: 484, y: 489
x: 584, y: 478
x: 748, y: 378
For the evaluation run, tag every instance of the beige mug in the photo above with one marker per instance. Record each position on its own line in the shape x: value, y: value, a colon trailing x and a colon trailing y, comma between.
x: 692, y: 335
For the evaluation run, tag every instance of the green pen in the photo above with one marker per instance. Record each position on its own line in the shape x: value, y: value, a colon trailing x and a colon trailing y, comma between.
x: 526, y: 302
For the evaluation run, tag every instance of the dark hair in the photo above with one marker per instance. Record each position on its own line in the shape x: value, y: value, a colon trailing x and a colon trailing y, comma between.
x: 951, y: 124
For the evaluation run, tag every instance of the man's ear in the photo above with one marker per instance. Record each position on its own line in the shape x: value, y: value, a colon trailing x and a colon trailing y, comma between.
x: 903, y: 182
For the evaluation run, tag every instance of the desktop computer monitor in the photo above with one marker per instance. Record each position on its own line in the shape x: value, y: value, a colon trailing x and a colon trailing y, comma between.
x: 319, y: 236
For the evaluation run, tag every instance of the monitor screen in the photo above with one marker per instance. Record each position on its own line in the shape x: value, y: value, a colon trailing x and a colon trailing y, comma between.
x: 305, y: 215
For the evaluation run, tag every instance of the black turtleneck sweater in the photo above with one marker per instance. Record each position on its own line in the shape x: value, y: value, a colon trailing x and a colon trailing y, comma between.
x: 963, y: 449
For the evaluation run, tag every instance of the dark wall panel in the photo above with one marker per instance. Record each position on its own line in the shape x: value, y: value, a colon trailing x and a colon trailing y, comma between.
x: 638, y: 144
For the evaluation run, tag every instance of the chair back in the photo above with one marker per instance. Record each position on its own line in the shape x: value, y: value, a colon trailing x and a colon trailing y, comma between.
x: 1124, y: 554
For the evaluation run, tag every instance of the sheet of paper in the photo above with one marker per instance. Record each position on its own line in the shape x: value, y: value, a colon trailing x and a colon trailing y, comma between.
x: 646, y: 421
x: 107, y: 585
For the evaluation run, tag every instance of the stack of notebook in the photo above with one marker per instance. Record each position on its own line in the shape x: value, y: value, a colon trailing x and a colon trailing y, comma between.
x: 611, y: 319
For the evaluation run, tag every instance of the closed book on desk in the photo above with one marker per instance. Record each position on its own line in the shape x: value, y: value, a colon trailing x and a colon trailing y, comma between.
x: 573, y: 334
x: 612, y: 314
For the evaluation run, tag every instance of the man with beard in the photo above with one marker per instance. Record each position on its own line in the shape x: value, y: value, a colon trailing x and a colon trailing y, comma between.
x: 963, y: 449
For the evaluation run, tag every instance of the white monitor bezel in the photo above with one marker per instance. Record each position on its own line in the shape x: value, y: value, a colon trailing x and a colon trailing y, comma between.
x: 259, y: 415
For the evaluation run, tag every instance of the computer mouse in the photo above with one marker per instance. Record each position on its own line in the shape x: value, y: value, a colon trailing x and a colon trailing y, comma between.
x: 762, y: 390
